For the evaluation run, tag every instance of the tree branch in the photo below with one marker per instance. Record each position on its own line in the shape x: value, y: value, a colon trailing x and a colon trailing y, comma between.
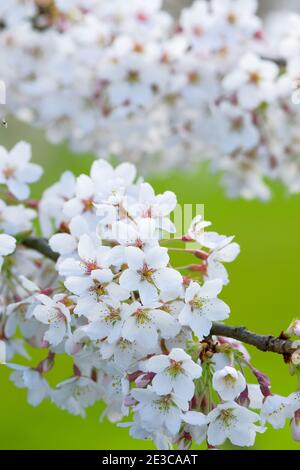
x: 41, y: 245
x: 261, y: 342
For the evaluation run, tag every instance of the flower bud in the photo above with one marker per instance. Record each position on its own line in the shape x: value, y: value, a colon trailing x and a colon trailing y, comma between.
x: 293, y: 329
x: 264, y: 382
x: 244, y: 399
x: 297, y: 328
x: 143, y: 380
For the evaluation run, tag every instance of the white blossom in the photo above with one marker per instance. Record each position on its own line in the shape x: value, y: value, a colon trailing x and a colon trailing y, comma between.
x: 15, y: 170
x: 231, y: 421
x: 229, y: 383
x: 174, y: 373
x: 202, y: 307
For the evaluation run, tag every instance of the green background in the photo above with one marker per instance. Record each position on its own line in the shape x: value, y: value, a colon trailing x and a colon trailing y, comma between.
x: 263, y: 295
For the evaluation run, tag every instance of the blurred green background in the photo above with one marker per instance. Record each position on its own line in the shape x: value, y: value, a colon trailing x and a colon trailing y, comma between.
x: 263, y: 295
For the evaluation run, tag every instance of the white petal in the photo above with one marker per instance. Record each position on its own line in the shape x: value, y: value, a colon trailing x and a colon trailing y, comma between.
x: 78, y: 285
x: 78, y: 226
x: 168, y: 280
x: 41, y: 313
x: 183, y: 387
x: 195, y: 418
x: 157, y: 258
x: 162, y: 384
x: 135, y: 257
x: 7, y: 244
x: 216, y: 434
x: 129, y: 280
x: 148, y: 293
x: 173, y: 421
x: 102, y: 275
x: 211, y: 289
x: 30, y: 173
x: 86, y: 249
x: 18, y: 189
x: 215, y: 309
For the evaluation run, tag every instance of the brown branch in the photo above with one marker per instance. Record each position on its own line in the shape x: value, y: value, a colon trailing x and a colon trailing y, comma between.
x: 261, y: 342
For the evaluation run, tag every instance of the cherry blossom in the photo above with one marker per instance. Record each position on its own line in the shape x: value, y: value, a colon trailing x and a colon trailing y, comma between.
x: 276, y: 410
x: 54, y: 313
x: 229, y: 383
x: 7, y: 246
x: 231, y: 421
x: 174, y: 373
x: 148, y: 273
x: 203, y: 307
x: 15, y: 170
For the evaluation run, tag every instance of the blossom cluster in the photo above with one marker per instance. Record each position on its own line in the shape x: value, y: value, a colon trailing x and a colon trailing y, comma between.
x: 137, y: 328
x: 208, y: 86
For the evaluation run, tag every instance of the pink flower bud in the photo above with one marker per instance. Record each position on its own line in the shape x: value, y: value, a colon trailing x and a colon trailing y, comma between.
x: 243, y: 399
x: 295, y: 426
x: 297, y: 328
x: 264, y: 382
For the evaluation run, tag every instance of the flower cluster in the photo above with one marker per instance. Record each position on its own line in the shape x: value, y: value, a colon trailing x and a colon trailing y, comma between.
x: 106, y: 292
x: 207, y: 86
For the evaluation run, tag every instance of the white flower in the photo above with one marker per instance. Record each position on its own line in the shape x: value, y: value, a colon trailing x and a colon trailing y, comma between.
x: 15, y: 219
x: 237, y: 129
x: 109, y: 324
x: 158, y: 207
x: 174, y: 373
x: 54, y: 313
x: 223, y: 251
x: 17, y: 10
x: 140, y: 234
x: 253, y: 81
x: 275, y: 410
x: 229, y: 383
x: 16, y: 171
x: 66, y: 243
x: 196, y: 425
x: 7, y: 246
x: 144, y: 325
x: 203, y: 307
x: 90, y: 278
x: 234, y: 422
x: 158, y: 412
x: 196, y: 230
x: 148, y: 273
